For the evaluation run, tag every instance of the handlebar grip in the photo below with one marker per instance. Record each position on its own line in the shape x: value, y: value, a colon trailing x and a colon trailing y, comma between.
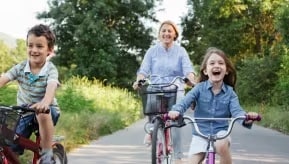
x: 258, y: 118
x: 26, y: 108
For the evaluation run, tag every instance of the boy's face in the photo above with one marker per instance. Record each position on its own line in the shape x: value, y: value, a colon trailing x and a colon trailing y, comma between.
x: 37, y: 49
x: 216, y: 68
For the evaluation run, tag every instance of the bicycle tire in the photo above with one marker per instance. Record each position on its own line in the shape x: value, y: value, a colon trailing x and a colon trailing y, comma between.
x: 159, y: 151
x: 59, y: 156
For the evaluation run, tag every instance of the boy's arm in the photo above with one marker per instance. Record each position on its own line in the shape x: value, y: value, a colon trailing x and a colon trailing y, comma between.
x: 44, y: 104
x: 50, y: 92
x: 3, y: 80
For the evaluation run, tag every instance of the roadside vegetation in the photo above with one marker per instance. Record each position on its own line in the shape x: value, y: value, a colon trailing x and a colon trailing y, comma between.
x: 100, y: 45
x: 88, y: 110
x: 91, y: 110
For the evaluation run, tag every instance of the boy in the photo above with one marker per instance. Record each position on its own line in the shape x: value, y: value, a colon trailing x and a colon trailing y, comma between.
x: 37, y: 83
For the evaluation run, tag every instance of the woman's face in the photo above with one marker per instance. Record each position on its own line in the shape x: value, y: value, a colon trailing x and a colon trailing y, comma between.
x: 167, y: 34
x: 215, y: 68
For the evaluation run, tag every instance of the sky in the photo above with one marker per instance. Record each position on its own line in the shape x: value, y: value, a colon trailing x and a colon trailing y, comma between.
x: 17, y: 16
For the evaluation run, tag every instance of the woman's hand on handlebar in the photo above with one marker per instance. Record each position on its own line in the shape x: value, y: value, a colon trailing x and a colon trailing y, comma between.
x: 173, y: 114
x: 190, y: 79
x: 135, y: 85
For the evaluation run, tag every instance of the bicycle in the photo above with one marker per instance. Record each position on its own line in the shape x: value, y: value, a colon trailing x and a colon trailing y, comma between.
x: 210, y: 155
x: 157, y: 99
x: 9, y: 117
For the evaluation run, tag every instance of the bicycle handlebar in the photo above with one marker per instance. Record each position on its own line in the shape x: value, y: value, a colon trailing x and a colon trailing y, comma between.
x: 193, y: 121
x: 182, y: 79
x: 21, y: 109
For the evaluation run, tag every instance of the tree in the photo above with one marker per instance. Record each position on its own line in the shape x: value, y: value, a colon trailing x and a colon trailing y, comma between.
x: 247, y: 33
x: 19, y: 53
x: 101, y: 38
x: 241, y: 28
x: 5, y: 58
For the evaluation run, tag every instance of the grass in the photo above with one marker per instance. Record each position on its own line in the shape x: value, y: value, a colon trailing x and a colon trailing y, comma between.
x: 88, y: 110
x: 273, y: 117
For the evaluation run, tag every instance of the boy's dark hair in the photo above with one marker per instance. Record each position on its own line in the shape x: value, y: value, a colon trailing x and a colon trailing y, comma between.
x: 43, y: 30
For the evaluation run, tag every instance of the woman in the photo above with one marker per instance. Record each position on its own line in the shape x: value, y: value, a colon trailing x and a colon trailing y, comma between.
x: 162, y: 63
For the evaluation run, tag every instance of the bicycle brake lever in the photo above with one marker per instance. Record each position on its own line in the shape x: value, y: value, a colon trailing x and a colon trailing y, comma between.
x: 181, y: 121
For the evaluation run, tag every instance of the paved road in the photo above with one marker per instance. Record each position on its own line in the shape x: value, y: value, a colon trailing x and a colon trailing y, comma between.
x: 256, y: 146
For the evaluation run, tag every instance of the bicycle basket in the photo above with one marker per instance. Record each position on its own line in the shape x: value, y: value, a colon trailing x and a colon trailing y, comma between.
x: 158, y: 98
x: 8, y: 122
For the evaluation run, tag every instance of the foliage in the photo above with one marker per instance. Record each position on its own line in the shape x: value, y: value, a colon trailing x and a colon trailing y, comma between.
x: 240, y: 28
x: 282, y: 89
x: 258, y: 79
x: 254, y: 34
x: 87, y: 95
x: 282, y: 19
x: 88, y: 110
x: 273, y: 117
x: 9, y: 57
x: 5, y: 58
x: 99, y: 38
x: 19, y: 53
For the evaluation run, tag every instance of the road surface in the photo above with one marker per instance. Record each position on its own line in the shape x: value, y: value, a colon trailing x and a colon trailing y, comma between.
x: 256, y: 146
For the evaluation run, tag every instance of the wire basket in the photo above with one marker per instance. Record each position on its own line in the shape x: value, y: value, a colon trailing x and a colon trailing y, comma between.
x: 8, y: 122
x: 158, y: 98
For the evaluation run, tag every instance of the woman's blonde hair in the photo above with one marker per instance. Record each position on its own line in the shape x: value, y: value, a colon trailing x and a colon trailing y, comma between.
x: 173, y: 25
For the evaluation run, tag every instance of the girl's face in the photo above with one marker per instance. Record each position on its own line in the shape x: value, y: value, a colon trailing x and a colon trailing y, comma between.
x: 215, y: 68
x: 37, y: 49
x: 167, y: 34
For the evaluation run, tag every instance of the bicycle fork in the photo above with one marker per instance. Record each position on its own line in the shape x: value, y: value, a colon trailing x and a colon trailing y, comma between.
x: 211, y: 154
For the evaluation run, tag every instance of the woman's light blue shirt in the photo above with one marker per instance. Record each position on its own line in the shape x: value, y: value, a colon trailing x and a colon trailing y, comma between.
x: 163, y: 65
x: 225, y: 104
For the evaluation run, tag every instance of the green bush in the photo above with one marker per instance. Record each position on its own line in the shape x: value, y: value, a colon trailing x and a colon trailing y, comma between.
x: 88, y: 110
x: 257, y: 79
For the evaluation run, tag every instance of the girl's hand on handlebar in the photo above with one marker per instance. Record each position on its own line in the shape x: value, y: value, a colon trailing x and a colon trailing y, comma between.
x: 252, y: 116
x: 173, y: 114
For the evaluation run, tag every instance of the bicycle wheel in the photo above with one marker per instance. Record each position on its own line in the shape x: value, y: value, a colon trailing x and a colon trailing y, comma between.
x: 158, y: 143
x: 59, y: 156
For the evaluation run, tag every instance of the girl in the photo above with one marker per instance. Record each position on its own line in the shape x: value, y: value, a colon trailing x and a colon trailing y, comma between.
x: 214, y: 96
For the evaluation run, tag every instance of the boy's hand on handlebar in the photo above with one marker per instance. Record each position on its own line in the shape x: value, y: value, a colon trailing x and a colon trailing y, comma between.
x: 40, y: 107
x: 173, y: 114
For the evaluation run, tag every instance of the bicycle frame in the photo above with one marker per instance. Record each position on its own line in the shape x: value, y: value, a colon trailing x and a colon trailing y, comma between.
x: 27, y: 144
x: 162, y: 145
x: 8, y: 156
x: 165, y: 96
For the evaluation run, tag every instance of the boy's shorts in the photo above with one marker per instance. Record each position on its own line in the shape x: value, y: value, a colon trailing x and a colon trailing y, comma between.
x: 199, y: 144
x: 27, y: 124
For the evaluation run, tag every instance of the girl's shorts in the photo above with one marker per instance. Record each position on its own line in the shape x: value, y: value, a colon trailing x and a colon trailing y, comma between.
x: 199, y: 144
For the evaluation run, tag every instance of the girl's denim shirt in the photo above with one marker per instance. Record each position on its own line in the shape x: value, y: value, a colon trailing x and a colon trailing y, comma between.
x: 225, y: 104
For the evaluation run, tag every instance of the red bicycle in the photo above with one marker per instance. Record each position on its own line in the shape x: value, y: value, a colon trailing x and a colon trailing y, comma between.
x: 9, y: 117
x: 157, y: 99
